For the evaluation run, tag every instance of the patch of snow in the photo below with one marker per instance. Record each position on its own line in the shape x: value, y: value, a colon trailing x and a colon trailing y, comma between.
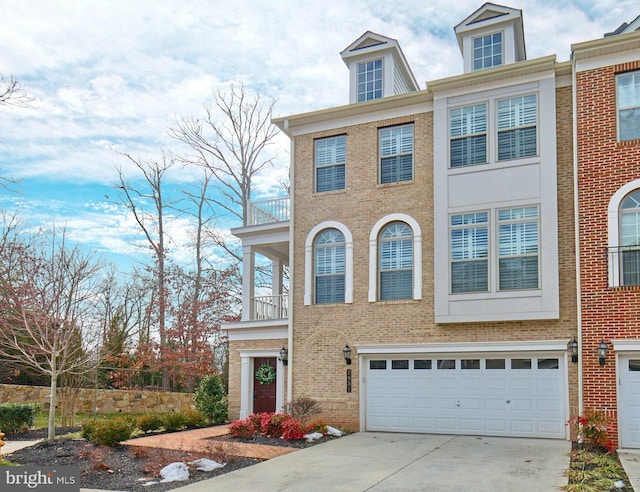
x: 313, y: 436
x: 332, y: 431
x: 206, y: 465
x: 146, y: 484
x: 174, y: 472
x: 619, y: 484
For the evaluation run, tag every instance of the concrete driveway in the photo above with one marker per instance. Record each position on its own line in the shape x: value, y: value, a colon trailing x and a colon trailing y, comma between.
x: 380, y: 462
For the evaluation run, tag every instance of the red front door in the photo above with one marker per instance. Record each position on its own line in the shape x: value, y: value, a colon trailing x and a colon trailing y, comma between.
x: 264, y: 395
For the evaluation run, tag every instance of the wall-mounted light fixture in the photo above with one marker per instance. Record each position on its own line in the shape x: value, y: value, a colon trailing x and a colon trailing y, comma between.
x: 284, y: 356
x: 602, y: 352
x: 346, y: 351
x: 573, y: 350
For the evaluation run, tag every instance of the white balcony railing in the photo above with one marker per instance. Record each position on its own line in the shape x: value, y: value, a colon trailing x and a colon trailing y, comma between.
x: 271, y: 307
x: 269, y: 211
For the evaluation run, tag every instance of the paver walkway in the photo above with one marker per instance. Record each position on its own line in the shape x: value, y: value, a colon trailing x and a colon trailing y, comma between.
x: 199, y: 440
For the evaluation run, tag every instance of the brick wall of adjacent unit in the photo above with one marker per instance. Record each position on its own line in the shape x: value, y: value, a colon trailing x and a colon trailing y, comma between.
x: 235, y: 369
x: 604, y: 165
x: 321, y: 331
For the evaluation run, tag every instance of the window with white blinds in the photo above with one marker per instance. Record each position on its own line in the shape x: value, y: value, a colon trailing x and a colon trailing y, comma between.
x: 518, y: 248
x: 329, y: 261
x: 330, y: 161
x: 468, y: 135
x: 469, y: 248
x: 396, y: 262
x: 517, y: 127
x: 628, y: 101
x: 396, y: 154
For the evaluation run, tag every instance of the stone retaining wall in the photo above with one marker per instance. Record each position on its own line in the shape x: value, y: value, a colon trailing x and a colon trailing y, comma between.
x: 103, y: 400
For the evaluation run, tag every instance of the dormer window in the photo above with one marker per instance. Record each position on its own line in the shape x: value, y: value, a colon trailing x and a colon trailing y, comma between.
x: 370, y: 80
x: 377, y: 68
x: 487, y: 51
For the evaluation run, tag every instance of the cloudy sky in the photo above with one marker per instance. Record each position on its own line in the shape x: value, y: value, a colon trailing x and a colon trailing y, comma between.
x: 114, y: 76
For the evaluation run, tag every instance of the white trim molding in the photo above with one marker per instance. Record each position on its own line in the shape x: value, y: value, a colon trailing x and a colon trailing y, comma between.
x: 629, y: 345
x: 247, y: 370
x: 465, y: 347
x: 417, y: 254
x: 308, y: 260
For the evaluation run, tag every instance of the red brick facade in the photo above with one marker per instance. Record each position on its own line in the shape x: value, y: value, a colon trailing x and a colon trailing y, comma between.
x: 604, y: 165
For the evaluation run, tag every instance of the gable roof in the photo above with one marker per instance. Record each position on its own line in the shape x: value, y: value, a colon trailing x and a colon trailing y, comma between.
x: 625, y: 28
x: 486, y: 15
x: 371, y: 42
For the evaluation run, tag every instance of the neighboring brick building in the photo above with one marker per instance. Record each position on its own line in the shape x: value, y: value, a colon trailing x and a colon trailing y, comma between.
x: 607, y: 81
x: 431, y: 240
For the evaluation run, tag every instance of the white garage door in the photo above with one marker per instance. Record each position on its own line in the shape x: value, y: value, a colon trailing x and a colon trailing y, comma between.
x: 491, y: 395
x: 629, y: 401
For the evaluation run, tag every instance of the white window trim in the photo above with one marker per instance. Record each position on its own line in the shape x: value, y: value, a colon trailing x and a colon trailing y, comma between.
x: 417, y: 254
x: 613, y: 226
x: 308, y: 260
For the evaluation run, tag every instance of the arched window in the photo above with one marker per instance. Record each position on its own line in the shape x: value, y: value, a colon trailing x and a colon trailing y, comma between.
x: 629, y: 254
x: 396, y: 262
x: 329, y: 267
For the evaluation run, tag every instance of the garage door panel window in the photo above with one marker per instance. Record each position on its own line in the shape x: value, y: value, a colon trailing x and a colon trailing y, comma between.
x: 399, y: 364
x: 520, y: 363
x: 377, y: 364
x: 421, y: 364
x: 634, y: 365
x: 495, y: 364
x: 470, y: 364
x: 548, y: 364
x: 446, y: 364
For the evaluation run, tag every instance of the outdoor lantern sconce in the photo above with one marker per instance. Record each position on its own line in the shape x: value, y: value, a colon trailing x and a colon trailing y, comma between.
x: 284, y: 356
x: 346, y: 351
x: 602, y: 352
x: 573, y: 350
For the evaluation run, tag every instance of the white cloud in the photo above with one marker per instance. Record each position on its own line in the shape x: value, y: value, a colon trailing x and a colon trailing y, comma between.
x: 113, y: 75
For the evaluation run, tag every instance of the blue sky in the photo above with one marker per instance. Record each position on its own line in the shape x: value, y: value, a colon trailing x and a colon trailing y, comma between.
x: 113, y: 76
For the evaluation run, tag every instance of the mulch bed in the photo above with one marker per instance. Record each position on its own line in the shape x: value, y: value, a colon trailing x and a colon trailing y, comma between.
x: 118, y: 468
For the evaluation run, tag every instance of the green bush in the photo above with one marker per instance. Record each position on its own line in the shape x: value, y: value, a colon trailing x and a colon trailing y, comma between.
x: 174, y: 421
x: 17, y: 416
x: 194, y: 418
x: 108, y: 432
x: 148, y: 423
x: 211, y: 400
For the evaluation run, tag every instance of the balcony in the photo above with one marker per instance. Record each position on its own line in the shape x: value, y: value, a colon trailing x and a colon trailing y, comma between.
x: 268, y: 211
x: 270, y: 307
x: 624, y: 264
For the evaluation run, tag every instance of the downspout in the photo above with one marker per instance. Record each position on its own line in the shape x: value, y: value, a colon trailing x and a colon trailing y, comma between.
x: 576, y: 207
x: 291, y: 263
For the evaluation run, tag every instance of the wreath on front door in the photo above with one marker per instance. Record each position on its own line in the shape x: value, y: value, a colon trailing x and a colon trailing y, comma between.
x: 266, y: 374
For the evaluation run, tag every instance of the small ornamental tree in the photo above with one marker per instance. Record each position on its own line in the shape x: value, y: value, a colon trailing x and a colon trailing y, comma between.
x: 210, y: 399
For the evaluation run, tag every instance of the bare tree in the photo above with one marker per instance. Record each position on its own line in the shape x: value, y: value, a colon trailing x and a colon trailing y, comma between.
x: 231, y: 143
x: 152, y: 224
x: 46, y: 299
x: 14, y: 93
